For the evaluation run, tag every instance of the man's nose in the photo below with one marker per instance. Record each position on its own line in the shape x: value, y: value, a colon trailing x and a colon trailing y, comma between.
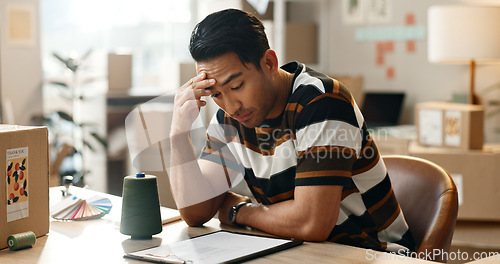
x: 233, y: 105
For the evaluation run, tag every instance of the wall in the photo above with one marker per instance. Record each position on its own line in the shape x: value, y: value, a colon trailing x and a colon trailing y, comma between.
x: 421, y: 80
x: 20, y: 70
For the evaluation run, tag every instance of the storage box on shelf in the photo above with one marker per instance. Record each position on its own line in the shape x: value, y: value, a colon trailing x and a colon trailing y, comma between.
x: 475, y: 173
x: 443, y: 124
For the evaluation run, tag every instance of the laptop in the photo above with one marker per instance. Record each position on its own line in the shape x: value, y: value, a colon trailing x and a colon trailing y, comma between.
x: 382, y: 108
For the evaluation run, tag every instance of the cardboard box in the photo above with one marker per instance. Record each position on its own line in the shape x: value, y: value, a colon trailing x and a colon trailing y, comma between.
x: 443, y: 124
x: 475, y: 173
x: 119, y: 71
x: 301, y: 42
x: 187, y: 70
x: 25, y: 186
x: 355, y: 86
x: 389, y: 145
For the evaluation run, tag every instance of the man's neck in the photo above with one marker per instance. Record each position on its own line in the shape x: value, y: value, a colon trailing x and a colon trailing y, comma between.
x: 284, y: 82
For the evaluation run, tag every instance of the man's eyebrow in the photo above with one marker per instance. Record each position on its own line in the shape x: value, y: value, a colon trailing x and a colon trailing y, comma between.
x: 232, y: 77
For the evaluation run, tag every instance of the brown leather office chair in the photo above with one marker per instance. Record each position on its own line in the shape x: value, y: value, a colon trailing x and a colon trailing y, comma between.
x: 429, y: 200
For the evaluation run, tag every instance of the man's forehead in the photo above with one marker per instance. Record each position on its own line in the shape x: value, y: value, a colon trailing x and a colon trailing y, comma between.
x: 223, y: 74
x: 219, y: 67
x: 225, y: 62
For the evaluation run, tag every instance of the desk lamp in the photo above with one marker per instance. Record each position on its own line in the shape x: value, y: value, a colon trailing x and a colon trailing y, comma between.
x: 464, y: 34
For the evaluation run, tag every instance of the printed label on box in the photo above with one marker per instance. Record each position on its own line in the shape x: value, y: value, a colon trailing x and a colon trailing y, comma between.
x: 452, y: 124
x: 431, y: 127
x: 17, y: 184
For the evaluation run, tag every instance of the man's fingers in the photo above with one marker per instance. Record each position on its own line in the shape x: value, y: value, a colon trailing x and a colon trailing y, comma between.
x: 189, y: 95
x: 199, y: 84
x: 203, y: 84
x: 192, y: 95
x: 184, y: 96
x: 197, y: 78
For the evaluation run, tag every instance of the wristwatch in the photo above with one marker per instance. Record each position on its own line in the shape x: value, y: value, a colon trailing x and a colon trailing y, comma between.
x: 233, y: 212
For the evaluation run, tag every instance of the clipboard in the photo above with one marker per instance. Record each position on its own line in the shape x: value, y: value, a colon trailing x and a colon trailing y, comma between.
x: 217, y: 247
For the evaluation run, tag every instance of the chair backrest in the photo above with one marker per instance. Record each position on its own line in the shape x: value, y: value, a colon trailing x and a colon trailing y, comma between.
x: 429, y: 200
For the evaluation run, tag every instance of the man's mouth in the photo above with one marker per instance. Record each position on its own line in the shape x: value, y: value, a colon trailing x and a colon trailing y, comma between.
x: 244, y: 117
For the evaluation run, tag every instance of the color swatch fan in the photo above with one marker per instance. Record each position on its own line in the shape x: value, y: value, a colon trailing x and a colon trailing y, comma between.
x: 75, y: 208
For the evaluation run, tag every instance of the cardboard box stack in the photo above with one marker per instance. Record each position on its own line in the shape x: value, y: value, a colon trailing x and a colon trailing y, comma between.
x: 452, y: 136
x: 24, y: 190
x: 475, y: 173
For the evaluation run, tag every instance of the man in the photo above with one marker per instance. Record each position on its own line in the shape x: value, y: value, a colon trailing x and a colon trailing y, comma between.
x: 298, y: 136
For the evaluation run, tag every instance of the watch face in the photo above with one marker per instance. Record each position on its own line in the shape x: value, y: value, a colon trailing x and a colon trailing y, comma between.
x: 231, y: 215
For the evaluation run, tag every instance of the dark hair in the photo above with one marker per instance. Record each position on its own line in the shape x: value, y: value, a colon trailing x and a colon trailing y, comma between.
x: 229, y: 30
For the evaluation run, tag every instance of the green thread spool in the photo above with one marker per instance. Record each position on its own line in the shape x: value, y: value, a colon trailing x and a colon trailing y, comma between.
x: 141, y: 218
x: 21, y: 240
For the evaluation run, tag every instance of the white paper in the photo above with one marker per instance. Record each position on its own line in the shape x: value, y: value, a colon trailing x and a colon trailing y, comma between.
x: 64, y: 207
x: 452, y: 125
x: 217, y: 247
x: 430, y: 127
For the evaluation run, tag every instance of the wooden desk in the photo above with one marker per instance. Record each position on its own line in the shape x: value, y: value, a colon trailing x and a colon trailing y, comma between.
x: 100, y: 241
x: 490, y: 260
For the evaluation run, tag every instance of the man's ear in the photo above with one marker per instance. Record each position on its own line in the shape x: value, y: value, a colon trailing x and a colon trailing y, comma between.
x: 270, y: 61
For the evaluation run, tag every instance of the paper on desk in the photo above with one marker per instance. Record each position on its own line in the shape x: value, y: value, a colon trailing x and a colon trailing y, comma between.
x: 169, y: 215
x: 218, y: 247
x: 77, y: 208
x: 57, y: 205
x: 64, y: 205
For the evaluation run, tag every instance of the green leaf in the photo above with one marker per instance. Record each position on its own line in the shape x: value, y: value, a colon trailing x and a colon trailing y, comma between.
x: 86, y: 143
x: 101, y: 140
x: 17, y: 177
x: 75, y: 151
x: 59, y: 57
x: 22, y: 168
x: 25, y: 184
x: 14, y: 174
x: 62, y: 84
x: 16, y: 199
x: 65, y: 116
x: 24, y: 162
x: 25, y: 193
x: 8, y: 180
x: 68, y: 62
x: 86, y: 55
x: 8, y: 201
x: 10, y: 166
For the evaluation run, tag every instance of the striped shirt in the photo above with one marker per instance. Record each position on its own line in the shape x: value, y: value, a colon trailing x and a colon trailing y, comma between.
x: 319, y: 139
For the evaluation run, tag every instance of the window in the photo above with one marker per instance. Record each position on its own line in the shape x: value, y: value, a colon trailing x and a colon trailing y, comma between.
x: 156, y: 32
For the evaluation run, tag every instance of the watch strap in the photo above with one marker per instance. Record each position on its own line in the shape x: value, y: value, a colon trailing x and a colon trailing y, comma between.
x: 234, y: 212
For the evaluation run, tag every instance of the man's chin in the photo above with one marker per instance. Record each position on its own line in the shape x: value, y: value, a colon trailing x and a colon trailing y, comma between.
x: 251, y: 123
x: 248, y: 124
